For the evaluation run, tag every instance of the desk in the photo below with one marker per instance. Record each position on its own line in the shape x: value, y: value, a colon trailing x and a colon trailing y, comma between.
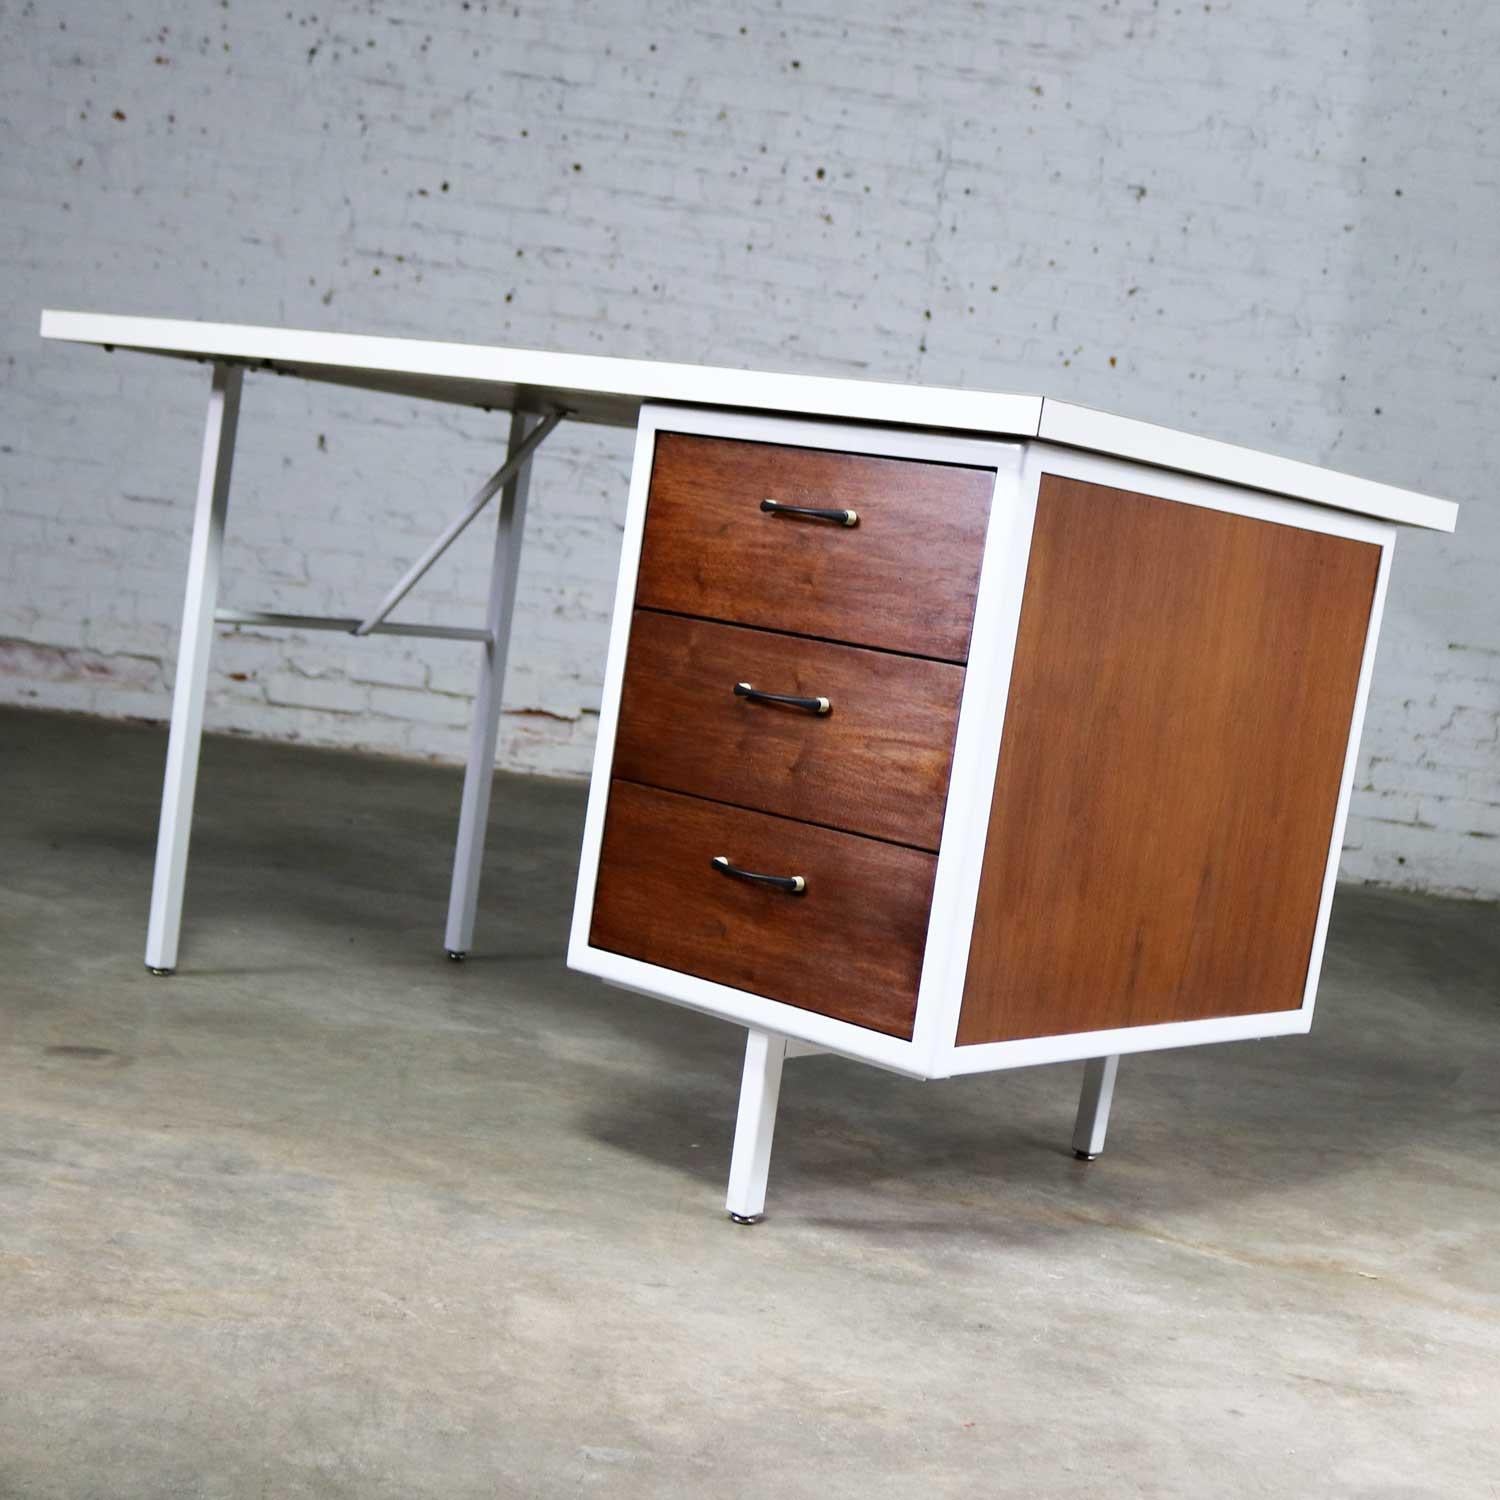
x: 946, y: 730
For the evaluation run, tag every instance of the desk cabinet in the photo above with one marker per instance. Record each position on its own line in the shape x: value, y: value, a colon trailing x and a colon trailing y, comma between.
x: 952, y: 755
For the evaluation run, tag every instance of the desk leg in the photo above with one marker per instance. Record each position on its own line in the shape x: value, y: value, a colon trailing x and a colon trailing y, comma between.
x: 480, y: 774
x: 1093, y: 1107
x: 192, y: 671
x: 760, y: 1087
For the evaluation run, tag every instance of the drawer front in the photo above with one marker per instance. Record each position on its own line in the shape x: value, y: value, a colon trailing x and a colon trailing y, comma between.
x: 850, y: 946
x: 876, y: 763
x: 902, y: 579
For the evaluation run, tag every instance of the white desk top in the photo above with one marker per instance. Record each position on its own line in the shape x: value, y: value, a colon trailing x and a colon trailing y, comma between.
x: 611, y: 391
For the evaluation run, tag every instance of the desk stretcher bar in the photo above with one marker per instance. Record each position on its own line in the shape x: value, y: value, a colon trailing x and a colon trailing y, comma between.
x: 349, y: 625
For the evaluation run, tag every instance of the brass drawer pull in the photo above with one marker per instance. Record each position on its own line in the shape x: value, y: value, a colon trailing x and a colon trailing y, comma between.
x: 793, y: 885
x: 812, y: 512
x: 756, y: 695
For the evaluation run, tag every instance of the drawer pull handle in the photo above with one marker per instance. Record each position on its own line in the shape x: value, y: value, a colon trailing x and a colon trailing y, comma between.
x: 793, y: 885
x: 812, y: 512
x: 756, y: 695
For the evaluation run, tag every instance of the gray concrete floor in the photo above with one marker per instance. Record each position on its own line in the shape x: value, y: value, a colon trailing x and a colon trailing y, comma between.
x: 326, y: 1215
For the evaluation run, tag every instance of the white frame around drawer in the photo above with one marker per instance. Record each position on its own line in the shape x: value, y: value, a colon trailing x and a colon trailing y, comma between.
x: 910, y: 1057
x: 1019, y: 467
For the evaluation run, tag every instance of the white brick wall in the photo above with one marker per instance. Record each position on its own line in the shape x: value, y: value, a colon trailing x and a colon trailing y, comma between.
x: 1276, y: 223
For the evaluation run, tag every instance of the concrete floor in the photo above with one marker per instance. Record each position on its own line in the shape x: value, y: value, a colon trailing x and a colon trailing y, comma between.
x: 325, y: 1215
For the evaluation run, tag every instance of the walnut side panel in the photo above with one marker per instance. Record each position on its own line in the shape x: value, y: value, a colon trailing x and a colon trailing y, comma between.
x: 1180, y: 708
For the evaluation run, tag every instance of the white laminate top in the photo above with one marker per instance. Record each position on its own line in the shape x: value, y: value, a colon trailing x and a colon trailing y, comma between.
x: 595, y: 388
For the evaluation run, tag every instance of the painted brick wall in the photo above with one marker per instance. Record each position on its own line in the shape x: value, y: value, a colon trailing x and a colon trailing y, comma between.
x: 1276, y: 223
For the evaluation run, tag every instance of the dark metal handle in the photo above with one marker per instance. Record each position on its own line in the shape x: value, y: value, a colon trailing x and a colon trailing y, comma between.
x: 812, y: 705
x: 793, y: 885
x: 812, y: 512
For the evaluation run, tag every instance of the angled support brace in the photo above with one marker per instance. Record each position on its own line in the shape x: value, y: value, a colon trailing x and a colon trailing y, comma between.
x: 515, y: 461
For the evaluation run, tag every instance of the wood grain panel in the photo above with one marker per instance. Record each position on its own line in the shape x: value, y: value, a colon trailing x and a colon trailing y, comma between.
x: 851, y: 946
x: 877, y: 763
x: 1170, y: 766
x: 903, y: 579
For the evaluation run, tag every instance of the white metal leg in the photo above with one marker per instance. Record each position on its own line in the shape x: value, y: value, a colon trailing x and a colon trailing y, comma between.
x: 760, y: 1088
x: 480, y: 772
x: 1093, y: 1106
x: 192, y: 671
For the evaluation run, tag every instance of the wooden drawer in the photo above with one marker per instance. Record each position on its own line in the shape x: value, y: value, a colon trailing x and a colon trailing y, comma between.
x: 850, y: 946
x: 876, y: 763
x: 902, y: 579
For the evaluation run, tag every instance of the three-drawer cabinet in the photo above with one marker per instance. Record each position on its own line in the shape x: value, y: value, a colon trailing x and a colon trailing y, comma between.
x: 952, y: 755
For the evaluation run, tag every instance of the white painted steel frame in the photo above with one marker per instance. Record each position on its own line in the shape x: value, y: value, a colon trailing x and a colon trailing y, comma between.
x: 755, y: 1125
x: 756, y: 1011
x: 932, y: 1051
x: 200, y: 615
x: 526, y: 433
x: 169, y: 878
x: 1094, y: 1099
x: 346, y: 625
